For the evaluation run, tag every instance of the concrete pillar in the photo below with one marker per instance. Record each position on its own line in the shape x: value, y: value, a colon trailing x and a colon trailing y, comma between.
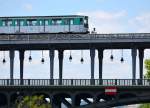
x: 21, y: 56
x: 141, y: 56
x: 134, y: 53
x: 60, y: 57
x: 100, y: 56
x: 8, y: 101
x: 95, y: 99
x: 75, y: 101
x: 11, y: 55
x: 56, y: 103
x: 53, y: 102
x: 92, y: 55
x: 51, y: 55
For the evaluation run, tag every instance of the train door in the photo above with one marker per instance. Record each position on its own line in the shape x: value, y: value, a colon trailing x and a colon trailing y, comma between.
x: 66, y: 25
x: 71, y: 28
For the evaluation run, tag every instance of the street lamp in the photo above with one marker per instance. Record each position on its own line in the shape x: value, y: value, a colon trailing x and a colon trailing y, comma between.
x: 30, y: 58
x: 82, y: 60
x: 4, y: 60
x: 42, y: 60
x: 111, y: 56
x: 70, y: 57
x: 122, y: 59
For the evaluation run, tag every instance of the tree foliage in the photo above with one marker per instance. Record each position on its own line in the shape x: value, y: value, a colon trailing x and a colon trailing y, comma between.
x: 33, y: 102
x: 145, y: 106
x: 147, y: 67
x: 147, y: 76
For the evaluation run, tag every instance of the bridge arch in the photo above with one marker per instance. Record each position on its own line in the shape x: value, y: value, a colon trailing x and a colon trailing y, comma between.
x: 84, y: 97
x: 103, y: 97
x: 16, y: 97
x: 84, y: 94
x: 46, y: 95
x: 61, y: 95
x: 41, y: 93
x: 59, y: 98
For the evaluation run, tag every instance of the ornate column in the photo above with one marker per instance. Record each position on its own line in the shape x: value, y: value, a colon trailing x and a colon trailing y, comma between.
x: 100, y: 56
x: 60, y: 57
x: 11, y: 55
x: 141, y: 56
x: 134, y: 53
x: 51, y: 55
x: 21, y: 56
x: 92, y: 55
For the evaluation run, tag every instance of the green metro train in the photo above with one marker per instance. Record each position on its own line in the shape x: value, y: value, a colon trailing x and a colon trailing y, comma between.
x: 44, y: 24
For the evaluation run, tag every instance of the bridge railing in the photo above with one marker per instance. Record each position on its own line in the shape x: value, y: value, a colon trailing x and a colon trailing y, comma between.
x: 75, y: 82
x: 31, y: 37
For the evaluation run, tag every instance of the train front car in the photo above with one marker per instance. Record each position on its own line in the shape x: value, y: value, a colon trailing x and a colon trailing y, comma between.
x: 44, y: 24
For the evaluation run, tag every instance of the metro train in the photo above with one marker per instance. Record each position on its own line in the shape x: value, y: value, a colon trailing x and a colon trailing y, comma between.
x: 44, y: 24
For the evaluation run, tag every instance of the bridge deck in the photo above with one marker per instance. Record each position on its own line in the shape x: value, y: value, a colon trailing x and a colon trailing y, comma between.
x: 75, y: 41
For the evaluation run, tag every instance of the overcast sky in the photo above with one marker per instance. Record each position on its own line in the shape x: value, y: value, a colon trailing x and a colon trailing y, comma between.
x: 107, y: 16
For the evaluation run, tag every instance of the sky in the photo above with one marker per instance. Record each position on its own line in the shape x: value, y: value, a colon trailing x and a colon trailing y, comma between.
x: 107, y: 16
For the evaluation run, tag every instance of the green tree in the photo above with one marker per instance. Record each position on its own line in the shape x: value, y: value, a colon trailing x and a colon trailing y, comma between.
x: 144, y: 106
x: 147, y: 67
x: 147, y: 76
x: 33, y: 102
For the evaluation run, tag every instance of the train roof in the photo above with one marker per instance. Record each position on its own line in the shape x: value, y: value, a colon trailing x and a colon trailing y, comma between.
x: 39, y: 17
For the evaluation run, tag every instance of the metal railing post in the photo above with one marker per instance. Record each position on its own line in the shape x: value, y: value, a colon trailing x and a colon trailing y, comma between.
x: 100, y: 81
x: 72, y: 82
x: 51, y: 81
x: 116, y: 82
x: 7, y: 81
x: 28, y: 81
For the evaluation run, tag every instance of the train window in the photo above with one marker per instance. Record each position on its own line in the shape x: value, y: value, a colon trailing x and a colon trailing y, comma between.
x: 56, y: 21
x: 6, y: 23
x: 21, y: 23
x: 16, y: 22
x: 38, y: 22
x: 50, y: 22
x: 53, y: 22
x: 85, y: 21
x: 9, y: 23
x: 76, y: 21
x: 81, y: 21
x: 71, y: 21
x: 3, y: 23
x: 34, y: 22
x: 41, y: 22
x: 13, y: 22
x: 46, y: 22
x: 0, y: 22
x: 24, y: 22
x: 66, y: 22
x: 28, y: 23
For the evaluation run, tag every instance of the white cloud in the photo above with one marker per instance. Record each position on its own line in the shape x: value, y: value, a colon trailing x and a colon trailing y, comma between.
x: 141, y: 22
x: 28, y: 7
x: 106, y: 22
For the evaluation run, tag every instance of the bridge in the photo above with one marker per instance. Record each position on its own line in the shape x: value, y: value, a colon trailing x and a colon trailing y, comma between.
x: 92, y: 91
